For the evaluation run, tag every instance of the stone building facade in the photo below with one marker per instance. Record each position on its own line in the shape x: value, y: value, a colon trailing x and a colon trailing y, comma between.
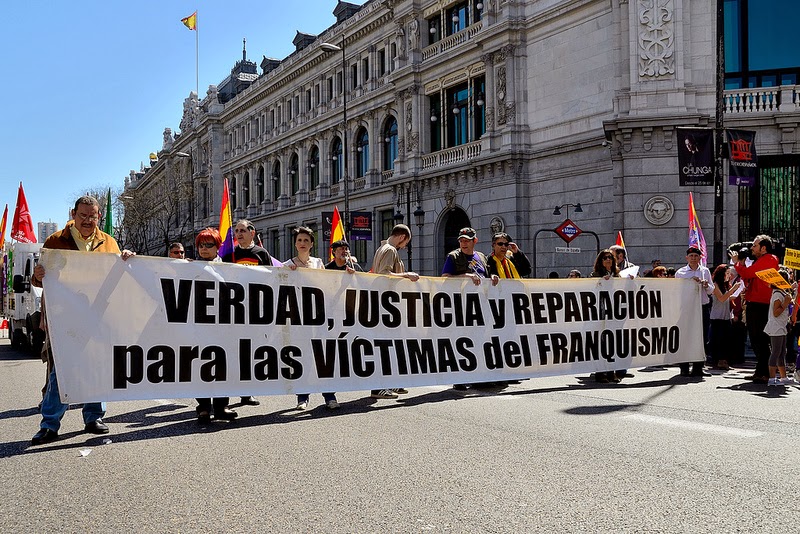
x: 470, y: 113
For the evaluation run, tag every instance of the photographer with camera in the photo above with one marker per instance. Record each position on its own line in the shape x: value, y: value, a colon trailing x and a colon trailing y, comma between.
x: 757, y: 295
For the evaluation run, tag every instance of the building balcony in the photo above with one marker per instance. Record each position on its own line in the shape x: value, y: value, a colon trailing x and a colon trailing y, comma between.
x: 451, y: 41
x: 451, y: 156
x: 783, y: 99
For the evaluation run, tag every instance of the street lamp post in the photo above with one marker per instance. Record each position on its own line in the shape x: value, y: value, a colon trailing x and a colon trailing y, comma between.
x: 330, y: 47
x: 191, y: 183
x: 578, y: 209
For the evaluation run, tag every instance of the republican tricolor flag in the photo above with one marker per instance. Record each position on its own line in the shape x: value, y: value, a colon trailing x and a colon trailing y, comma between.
x: 696, y: 237
x: 226, y: 222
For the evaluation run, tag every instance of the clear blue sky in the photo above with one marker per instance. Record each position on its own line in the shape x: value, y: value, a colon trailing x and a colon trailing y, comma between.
x: 89, y: 86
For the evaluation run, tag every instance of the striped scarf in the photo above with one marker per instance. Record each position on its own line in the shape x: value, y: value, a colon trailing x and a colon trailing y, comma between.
x: 505, y: 268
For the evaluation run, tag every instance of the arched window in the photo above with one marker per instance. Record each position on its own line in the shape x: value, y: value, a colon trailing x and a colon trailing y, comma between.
x: 389, y: 143
x: 276, y: 180
x: 260, y: 186
x: 362, y: 153
x: 337, y: 161
x: 246, y: 190
x: 294, y: 174
x: 313, y: 168
x: 233, y: 193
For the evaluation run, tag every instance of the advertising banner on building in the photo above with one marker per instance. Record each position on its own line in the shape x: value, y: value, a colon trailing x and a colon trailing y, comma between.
x: 742, y: 158
x: 151, y: 328
x: 361, y: 229
x: 695, y: 156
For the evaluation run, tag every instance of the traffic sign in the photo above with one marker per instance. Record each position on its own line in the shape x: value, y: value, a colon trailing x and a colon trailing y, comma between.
x: 568, y: 230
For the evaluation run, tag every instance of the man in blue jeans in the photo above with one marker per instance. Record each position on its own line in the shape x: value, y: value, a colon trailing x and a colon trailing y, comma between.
x: 80, y: 234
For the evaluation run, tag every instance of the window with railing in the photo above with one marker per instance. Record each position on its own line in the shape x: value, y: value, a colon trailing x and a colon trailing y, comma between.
x: 761, y: 43
x: 458, y: 114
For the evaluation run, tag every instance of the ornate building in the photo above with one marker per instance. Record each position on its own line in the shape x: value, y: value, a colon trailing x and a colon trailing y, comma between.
x: 446, y: 114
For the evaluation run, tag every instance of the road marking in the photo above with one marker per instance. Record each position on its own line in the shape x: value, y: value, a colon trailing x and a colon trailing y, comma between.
x: 704, y: 427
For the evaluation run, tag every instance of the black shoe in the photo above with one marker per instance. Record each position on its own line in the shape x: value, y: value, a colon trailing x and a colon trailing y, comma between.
x: 203, y: 417
x: 97, y: 427
x: 43, y: 436
x: 225, y: 414
x: 250, y: 401
x: 700, y: 373
x: 460, y: 387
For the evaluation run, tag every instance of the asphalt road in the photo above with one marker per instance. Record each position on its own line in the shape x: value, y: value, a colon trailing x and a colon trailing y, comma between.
x: 658, y: 453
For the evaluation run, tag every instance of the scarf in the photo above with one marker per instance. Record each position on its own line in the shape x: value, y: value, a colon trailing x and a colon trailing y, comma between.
x: 505, y: 268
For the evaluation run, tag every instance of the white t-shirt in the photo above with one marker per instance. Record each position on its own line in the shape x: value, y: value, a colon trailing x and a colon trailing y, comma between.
x: 776, y: 326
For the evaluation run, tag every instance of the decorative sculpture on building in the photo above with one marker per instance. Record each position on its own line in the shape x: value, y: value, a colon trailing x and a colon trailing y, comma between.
x: 190, y: 105
x: 656, y: 38
x: 168, y: 139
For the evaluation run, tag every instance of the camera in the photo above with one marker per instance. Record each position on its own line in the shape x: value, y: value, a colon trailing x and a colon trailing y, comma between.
x: 742, y: 249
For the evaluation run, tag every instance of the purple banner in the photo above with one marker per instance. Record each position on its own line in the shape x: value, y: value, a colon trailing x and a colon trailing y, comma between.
x: 743, y: 161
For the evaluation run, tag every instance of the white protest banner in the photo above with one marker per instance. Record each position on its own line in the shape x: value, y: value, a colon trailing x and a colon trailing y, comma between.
x: 152, y: 328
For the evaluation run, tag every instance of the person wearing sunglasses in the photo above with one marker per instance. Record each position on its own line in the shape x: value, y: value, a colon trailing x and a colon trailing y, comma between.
x: 176, y: 251
x: 506, y: 259
x: 207, y: 244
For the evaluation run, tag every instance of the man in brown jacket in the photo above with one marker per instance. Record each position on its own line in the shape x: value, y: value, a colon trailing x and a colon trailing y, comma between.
x: 82, y: 234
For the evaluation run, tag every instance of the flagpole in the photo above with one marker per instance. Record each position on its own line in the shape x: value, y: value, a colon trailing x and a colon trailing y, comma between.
x: 197, y: 58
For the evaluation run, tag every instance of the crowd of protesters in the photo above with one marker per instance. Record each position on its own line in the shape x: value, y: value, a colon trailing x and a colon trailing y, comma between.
x: 736, y: 303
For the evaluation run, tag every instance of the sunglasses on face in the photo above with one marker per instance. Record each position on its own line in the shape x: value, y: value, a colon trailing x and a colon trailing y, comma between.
x: 206, y: 245
x: 501, y: 243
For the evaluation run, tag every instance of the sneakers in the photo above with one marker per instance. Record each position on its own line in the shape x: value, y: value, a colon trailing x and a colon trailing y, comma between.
x: 797, y: 375
x: 383, y: 394
x: 302, y: 405
x: 400, y: 391
x: 789, y: 380
x: 332, y: 404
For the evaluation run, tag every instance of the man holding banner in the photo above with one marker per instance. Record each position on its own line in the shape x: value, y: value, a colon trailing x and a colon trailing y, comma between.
x: 757, y: 295
x: 80, y: 234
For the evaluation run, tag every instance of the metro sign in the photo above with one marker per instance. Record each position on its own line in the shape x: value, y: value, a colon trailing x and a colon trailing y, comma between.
x: 568, y: 231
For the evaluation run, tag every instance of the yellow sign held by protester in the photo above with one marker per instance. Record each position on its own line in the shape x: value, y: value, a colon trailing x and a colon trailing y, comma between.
x: 792, y: 258
x: 773, y: 278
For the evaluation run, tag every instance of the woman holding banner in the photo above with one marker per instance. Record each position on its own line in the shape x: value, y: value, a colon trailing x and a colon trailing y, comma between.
x: 605, y: 266
x: 304, y: 244
x: 207, y: 244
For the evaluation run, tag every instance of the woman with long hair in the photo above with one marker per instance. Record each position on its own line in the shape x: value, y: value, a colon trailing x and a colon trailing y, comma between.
x: 304, y: 244
x: 605, y: 266
x: 720, y: 326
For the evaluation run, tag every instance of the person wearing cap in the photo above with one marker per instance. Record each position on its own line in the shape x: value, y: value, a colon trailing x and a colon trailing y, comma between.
x: 342, y: 260
x: 506, y: 259
x: 387, y: 262
x: 465, y: 261
x: 700, y: 274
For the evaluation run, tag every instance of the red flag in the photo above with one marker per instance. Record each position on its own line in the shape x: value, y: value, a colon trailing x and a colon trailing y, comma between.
x: 22, y: 225
x: 620, y: 242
